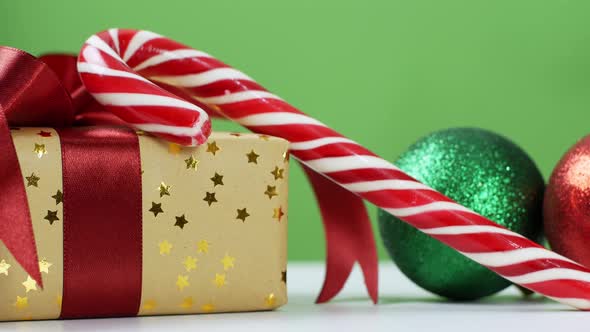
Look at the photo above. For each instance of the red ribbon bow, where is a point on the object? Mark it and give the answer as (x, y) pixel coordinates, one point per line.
(47, 92)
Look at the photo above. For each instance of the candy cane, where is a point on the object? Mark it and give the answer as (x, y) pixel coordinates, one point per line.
(238, 97)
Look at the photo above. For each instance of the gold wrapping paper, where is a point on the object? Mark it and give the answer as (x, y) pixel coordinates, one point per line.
(230, 195)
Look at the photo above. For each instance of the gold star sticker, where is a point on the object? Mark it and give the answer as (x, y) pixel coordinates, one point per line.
(51, 216)
(40, 150)
(270, 300)
(174, 148)
(252, 157)
(32, 180)
(165, 247)
(286, 156)
(186, 303)
(277, 173)
(219, 280)
(149, 305)
(58, 300)
(271, 191)
(284, 276)
(181, 221)
(43, 133)
(278, 213)
(21, 302)
(190, 263)
(217, 179)
(30, 284)
(203, 246)
(44, 265)
(208, 307)
(264, 137)
(156, 208)
(242, 214)
(210, 198)
(228, 262)
(182, 282)
(59, 197)
(164, 189)
(4, 267)
(212, 147)
(191, 163)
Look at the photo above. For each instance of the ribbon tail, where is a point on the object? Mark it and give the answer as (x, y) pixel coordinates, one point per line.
(16, 228)
(349, 237)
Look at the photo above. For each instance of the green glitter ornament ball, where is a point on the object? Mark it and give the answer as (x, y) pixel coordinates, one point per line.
(483, 171)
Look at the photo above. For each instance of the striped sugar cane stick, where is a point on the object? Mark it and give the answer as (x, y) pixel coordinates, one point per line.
(238, 97)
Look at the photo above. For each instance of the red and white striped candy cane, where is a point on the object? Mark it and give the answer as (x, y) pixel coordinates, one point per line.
(103, 65)
(238, 97)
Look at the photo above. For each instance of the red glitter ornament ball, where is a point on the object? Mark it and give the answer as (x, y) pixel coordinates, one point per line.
(567, 204)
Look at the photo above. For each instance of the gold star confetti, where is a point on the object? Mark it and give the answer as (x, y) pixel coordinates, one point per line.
(217, 179)
(4, 267)
(58, 300)
(174, 148)
(165, 247)
(286, 156)
(208, 307)
(284, 276)
(186, 303)
(181, 221)
(242, 214)
(59, 197)
(191, 163)
(32, 180)
(210, 198)
(149, 305)
(51, 216)
(212, 147)
(278, 213)
(44, 265)
(277, 173)
(21, 302)
(203, 246)
(252, 157)
(219, 280)
(190, 263)
(40, 150)
(228, 262)
(264, 137)
(271, 191)
(182, 282)
(164, 189)
(156, 208)
(270, 300)
(43, 133)
(30, 284)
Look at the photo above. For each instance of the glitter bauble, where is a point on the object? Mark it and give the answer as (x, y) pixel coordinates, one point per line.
(483, 171)
(567, 204)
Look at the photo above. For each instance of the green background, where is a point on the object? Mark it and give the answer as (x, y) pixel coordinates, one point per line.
(382, 72)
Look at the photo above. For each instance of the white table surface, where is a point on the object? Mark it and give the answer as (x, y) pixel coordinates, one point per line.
(403, 307)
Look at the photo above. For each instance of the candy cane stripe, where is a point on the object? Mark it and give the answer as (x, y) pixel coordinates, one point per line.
(316, 143)
(140, 99)
(550, 274)
(367, 186)
(197, 80)
(91, 68)
(137, 41)
(278, 119)
(237, 97)
(505, 258)
(169, 56)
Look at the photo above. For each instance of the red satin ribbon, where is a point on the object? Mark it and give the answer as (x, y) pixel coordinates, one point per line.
(102, 222)
(32, 95)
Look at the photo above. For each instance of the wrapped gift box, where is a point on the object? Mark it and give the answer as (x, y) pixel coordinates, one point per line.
(213, 230)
